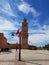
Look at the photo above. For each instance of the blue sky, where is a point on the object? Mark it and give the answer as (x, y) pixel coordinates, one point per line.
(12, 13)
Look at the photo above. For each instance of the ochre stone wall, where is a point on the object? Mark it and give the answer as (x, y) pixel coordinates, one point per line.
(3, 40)
(13, 46)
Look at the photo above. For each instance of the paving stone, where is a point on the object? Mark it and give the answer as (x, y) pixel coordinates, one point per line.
(28, 57)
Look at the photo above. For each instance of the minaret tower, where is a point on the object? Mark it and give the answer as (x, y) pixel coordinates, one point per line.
(24, 34)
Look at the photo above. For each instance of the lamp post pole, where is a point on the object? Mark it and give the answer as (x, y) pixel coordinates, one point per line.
(19, 47)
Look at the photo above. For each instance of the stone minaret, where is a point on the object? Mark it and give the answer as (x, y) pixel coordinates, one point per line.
(24, 34)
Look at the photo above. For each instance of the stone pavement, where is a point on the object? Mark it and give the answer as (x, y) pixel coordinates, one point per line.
(10, 58)
(28, 57)
(35, 57)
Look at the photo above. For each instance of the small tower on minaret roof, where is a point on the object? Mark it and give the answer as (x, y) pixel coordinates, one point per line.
(24, 20)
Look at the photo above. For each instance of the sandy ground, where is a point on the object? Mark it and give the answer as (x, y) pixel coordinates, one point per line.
(28, 57)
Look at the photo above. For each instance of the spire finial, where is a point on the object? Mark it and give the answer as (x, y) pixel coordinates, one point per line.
(25, 20)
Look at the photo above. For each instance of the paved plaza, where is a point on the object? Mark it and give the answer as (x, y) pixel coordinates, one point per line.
(28, 57)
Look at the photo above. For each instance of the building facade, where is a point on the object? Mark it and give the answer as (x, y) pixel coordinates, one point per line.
(3, 41)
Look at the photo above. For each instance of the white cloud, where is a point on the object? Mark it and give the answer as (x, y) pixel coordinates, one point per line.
(36, 31)
(18, 23)
(7, 25)
(5, 7)
(26, 8)
(39, 39)
(46, 24)
(45, 27)
(36, 23)
(39, 36)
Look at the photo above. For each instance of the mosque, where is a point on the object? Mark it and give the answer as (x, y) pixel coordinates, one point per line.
(24, 41)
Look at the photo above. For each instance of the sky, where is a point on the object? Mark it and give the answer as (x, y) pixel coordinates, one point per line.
(12, 13)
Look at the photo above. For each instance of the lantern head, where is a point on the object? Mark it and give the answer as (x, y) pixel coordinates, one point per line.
(12, 35)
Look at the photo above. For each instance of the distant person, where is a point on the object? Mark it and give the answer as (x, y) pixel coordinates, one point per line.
(0, 49)
(16, 48)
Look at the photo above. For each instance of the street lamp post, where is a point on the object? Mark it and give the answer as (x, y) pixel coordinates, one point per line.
(19, 47)
(19, 35)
